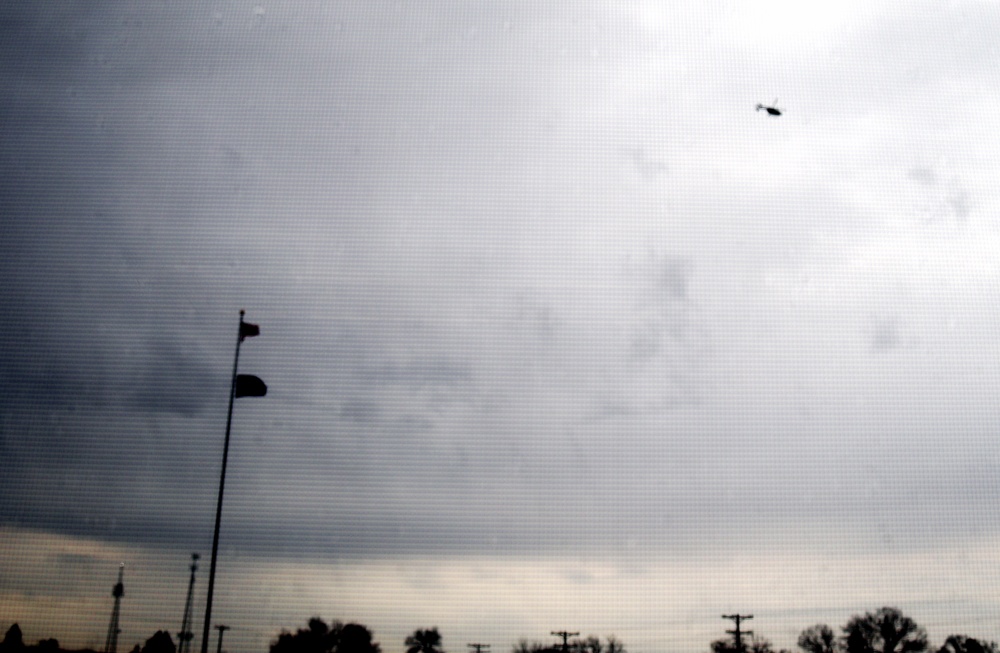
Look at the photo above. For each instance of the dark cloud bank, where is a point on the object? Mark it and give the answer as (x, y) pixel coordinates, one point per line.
(148, 193)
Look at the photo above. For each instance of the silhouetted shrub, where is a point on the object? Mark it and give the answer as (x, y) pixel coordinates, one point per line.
(50, 645)
(160, 642)
(13, 641)
(320, 638)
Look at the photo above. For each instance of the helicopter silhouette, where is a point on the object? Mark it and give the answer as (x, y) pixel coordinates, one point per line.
(772, 110)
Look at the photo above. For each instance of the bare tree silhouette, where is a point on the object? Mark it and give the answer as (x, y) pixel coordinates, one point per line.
(887, 630)
(424, 641)
(965, 644)
(321, 638)
(819, 639)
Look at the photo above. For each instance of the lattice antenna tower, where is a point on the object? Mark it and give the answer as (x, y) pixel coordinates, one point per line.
(185, 635)
(111, 643)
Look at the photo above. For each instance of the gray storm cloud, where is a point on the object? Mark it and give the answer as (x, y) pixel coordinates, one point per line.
(528, 279)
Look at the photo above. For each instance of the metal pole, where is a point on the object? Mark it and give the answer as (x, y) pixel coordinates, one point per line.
(222, 628)
(222, 486)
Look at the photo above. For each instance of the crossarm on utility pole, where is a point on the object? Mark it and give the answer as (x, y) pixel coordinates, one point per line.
(737, 633)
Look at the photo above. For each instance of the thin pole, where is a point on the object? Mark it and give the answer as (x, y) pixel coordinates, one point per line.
(738, 634)
(222, 628)
(222, 486)
(565, 638)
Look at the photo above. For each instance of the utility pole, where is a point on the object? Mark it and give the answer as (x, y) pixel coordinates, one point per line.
(565, 638)
(737, 634)
(479, 647)
(111, 643)
(185, 635)
(222, 628)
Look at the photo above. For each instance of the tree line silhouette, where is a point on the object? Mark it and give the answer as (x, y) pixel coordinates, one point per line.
(588, 644)
(13, 642)
(886, 630)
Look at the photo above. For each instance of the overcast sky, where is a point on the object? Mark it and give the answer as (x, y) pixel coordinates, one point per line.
(559, 331)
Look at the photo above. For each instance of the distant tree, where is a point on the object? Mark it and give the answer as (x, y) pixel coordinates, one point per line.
(754, 645)
(615, 645)
(355, 638)
(160, 642)
(760, 645)
(317, 637)
(424, 641)
(855, 640)
(965, 644)
(13, 640)
(284, 643)
(887, 630)
(524, 646)
(592, 644)
(50, 645)
(321, 638)
(723, 646)
(819, 639)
